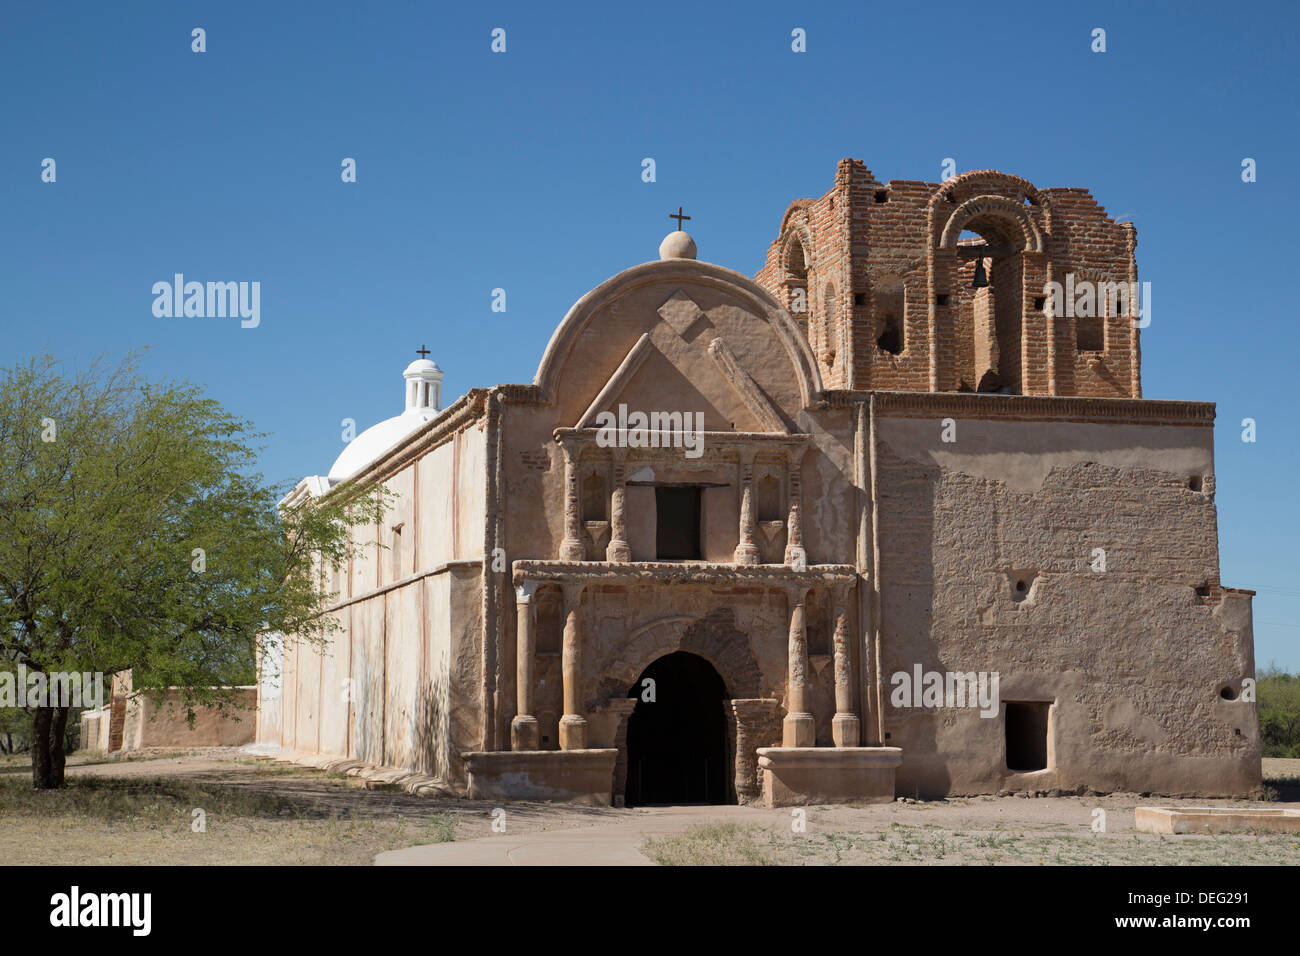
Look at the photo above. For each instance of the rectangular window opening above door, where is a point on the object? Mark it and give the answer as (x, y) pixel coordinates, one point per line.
(677, 524)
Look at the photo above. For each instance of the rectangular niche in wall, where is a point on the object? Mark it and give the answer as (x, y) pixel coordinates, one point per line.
(1026, 727)
(677, 524)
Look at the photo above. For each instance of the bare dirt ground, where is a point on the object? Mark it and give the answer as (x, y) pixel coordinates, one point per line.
(141, 810)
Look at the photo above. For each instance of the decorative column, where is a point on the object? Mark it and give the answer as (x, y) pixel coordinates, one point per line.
(798, 729)
(573, 726)
(572, 548)
(618, 550)
(747, 548)
(795, 556)
(524, 729)
(846, 729)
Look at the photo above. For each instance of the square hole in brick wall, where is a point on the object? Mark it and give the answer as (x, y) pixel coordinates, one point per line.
(1026, 728)
(1091, 334)
(941, 299)
(882, 196)
(859, 298)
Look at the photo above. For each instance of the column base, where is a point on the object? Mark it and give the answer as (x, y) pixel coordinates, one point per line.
(581, 776)
(846, 730)
(573, 732)
(746, 554)
(798, 730)
(796, 558)
(810, 775)
(525, 733)
(618, 552)
(573, 550)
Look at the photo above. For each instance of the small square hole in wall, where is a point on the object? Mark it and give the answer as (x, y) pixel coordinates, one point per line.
(1022, 585)
(941, 298)
(1040, 301)
(859, 298)
(1026, 729)
(882, 196)
(1195, 483)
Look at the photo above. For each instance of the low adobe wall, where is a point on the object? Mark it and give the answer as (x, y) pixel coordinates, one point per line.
(152, 722)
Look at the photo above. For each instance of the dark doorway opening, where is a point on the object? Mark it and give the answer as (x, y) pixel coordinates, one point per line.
(677, 742)
(677, 530)
(1027, 735)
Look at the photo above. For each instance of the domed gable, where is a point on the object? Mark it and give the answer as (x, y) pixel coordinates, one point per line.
(681, 330)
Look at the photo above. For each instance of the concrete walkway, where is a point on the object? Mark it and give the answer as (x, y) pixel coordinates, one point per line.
(608, 844)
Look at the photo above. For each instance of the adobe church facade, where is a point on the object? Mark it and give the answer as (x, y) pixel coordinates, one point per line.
(890, 518)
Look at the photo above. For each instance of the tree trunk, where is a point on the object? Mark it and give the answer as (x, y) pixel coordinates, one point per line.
(48, 758)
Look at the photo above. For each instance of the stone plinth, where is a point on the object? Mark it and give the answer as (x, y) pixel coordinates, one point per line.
(576, 776)
(1215, 820)
(798, 776)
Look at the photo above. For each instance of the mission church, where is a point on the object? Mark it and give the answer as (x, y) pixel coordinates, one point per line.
(929, 539)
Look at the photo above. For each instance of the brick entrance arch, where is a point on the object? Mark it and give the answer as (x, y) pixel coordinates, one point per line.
(715, 637)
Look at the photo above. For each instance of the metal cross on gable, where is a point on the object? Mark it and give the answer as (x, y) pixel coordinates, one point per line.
(422, 351)
(679, 217)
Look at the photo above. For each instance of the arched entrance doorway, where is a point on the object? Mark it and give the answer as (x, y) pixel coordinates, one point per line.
(677, 742)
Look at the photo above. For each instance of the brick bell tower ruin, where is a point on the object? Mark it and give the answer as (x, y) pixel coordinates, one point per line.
(880, 275)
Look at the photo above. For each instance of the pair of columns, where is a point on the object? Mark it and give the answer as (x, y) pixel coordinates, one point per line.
(524, 730)
(747, 549)
(572, 547)
(799, 728)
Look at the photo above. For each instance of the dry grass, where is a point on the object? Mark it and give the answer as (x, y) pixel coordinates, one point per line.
(150, 820)
(712, 844)
(733, 844)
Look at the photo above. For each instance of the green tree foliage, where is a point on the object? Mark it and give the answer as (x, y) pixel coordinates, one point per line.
(134, 535)
(1278, 694)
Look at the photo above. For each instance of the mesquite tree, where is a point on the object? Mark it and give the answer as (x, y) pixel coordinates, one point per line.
(134, 534)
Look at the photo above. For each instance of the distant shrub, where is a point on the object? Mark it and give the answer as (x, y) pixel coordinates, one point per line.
(1278, 694)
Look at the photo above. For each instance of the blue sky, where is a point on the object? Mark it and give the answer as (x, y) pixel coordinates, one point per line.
(522, 171)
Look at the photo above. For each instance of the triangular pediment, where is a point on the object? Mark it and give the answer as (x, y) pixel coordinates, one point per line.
(664, 373)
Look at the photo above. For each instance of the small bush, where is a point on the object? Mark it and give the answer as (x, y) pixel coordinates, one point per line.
(1278, 694)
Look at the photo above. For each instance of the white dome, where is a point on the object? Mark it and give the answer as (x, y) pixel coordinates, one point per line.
(376, 440)
(423, 367)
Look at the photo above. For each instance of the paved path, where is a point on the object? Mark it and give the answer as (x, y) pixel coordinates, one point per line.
(609, 844)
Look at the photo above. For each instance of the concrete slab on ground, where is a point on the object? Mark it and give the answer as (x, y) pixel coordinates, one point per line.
(610, 844)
